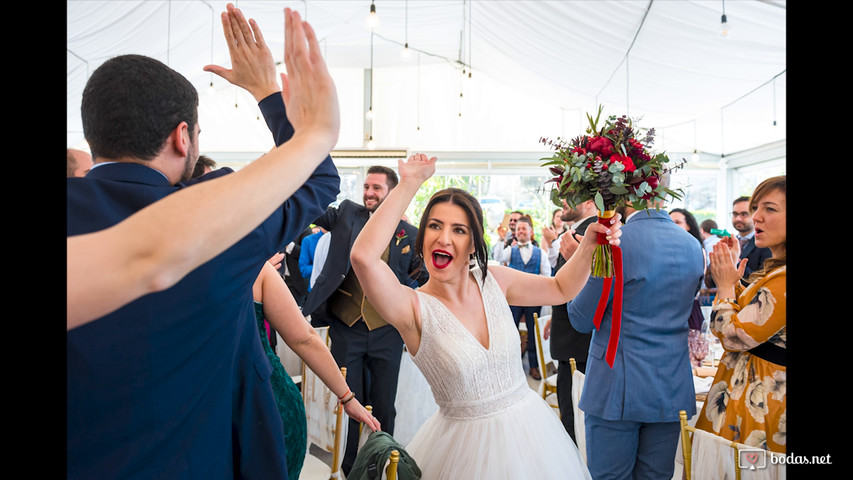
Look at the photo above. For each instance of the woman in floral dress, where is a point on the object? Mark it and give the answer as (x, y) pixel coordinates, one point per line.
(746, 402)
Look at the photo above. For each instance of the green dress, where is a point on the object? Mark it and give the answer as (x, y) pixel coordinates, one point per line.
(290, 404)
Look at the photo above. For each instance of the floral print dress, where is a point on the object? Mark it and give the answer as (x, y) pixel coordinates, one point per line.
(746, 402)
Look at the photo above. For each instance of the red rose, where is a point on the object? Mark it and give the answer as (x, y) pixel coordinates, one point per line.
(624, 160)
(602, 145)
(653, 184)
(636, 145)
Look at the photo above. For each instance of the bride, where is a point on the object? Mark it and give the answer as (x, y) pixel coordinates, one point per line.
(459, 331)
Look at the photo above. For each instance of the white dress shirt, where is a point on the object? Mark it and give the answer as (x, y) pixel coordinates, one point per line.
(526, 252)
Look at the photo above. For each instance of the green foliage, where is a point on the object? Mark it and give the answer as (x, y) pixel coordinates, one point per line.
(611, 166)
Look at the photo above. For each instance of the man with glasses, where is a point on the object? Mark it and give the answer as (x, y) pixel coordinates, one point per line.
(742, 222)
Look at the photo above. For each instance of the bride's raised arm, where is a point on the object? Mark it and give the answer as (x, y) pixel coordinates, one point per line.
(395, 302)
(522, 288)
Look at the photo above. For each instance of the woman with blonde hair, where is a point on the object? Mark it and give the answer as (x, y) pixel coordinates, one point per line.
(747, 401)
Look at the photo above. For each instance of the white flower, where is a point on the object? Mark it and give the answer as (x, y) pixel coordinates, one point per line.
(777, 385)
(715, 405)
(756, 401)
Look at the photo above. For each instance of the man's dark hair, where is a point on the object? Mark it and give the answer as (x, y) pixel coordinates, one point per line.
(526, 219)
(390, 175)
(131, 104)
(741, 199)
(203, 161)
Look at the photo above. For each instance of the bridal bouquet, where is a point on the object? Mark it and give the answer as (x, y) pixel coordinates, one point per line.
(613, 167)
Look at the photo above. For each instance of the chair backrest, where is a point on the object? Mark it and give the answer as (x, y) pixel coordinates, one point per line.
(324, 334)
(326, 420)
(578, 379)
(719, 456)
(542, 344)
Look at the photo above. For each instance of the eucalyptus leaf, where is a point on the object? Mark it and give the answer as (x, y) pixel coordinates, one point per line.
(599, 201)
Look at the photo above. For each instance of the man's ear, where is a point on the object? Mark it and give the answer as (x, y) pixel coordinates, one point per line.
(180, 139)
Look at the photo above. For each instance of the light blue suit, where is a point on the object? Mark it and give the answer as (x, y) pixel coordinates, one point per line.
(632, 409)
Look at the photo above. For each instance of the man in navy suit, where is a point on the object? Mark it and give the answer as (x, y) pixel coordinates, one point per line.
(174, 384)
(631, 410)
(361, 340)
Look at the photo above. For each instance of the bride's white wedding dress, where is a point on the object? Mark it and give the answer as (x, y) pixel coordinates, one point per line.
(490, 423)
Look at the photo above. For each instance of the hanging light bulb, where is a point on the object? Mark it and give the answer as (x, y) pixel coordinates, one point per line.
(369, 115)
(725, 28)
(406, 53)
(695, 157)
(372, 20)
(371, 145)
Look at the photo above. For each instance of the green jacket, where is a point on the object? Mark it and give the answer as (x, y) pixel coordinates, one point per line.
(375, 452)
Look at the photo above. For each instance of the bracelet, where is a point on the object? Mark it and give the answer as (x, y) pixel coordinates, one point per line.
(351, 396)
(726, 300)
(345, 395)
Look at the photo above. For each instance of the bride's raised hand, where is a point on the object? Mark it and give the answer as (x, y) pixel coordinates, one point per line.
(417, 169)
(612, 231)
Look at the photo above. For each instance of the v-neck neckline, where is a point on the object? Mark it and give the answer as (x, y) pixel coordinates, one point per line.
(480, 287)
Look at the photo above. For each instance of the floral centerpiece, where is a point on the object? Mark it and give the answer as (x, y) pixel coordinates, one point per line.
(613, 167)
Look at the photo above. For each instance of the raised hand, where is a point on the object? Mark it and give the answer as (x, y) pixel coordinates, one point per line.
(613, 231)
(570, 242)
(252, 64)
(418, 168)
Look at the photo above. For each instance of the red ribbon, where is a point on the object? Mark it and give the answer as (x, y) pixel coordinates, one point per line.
(616, 317)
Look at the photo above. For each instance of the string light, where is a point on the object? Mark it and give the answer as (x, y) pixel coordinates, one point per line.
(725, 28)
(406, 53)
(372, 20)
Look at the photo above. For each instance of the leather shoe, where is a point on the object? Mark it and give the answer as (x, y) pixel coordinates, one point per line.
(534, 373)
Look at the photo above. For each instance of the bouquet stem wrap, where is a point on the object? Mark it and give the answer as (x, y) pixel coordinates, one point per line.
(607, 264)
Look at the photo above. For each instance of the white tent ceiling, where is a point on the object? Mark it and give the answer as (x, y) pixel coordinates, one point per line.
(537, 67)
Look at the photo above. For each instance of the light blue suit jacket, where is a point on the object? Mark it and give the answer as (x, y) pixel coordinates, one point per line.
(651, 377)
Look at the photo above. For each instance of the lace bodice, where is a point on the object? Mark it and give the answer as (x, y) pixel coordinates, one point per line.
(467, 380)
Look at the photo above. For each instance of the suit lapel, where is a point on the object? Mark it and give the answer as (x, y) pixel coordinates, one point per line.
(394, 249)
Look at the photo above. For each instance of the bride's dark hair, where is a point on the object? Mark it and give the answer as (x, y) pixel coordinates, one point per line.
(471, 206)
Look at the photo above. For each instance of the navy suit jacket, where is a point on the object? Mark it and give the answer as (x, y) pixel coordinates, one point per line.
(651, 378)
(345, 223)
(176, 383)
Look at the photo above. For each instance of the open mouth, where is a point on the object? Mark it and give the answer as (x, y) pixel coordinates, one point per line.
(441, 259)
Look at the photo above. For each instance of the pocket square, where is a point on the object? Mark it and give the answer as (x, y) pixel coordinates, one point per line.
(406, 249)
